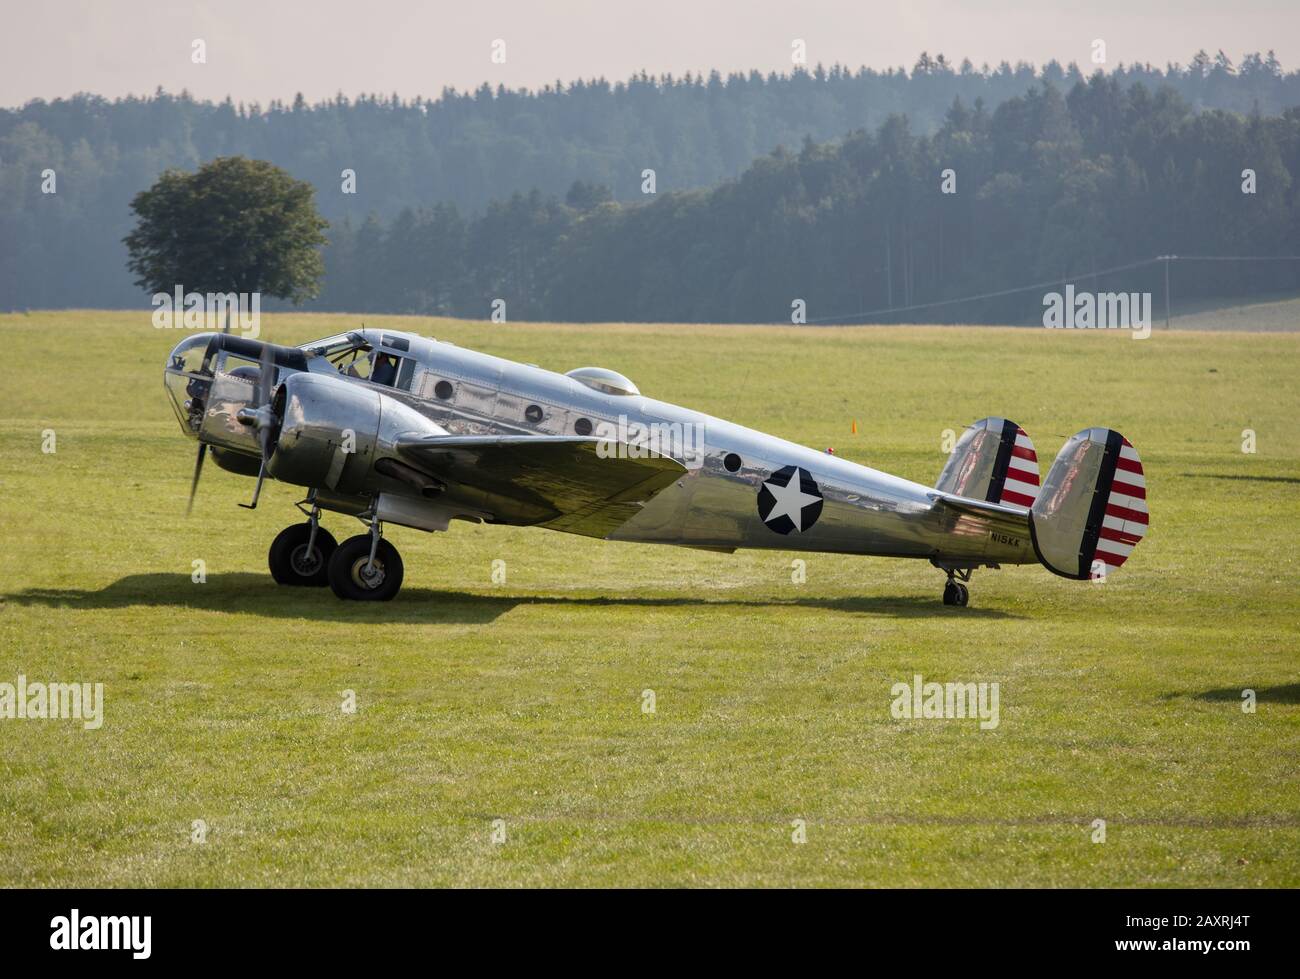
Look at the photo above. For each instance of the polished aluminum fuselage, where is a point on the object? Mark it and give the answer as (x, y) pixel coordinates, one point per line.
(865, 511)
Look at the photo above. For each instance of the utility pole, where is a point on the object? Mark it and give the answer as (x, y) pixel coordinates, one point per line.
(1166, 259)
(889, 264)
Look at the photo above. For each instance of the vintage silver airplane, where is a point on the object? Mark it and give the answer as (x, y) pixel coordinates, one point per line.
(397, 428)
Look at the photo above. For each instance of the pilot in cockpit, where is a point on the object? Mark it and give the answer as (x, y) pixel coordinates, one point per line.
(382, 368)
(385, 370)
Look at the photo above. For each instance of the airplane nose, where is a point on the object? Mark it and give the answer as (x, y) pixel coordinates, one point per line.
(187, 378)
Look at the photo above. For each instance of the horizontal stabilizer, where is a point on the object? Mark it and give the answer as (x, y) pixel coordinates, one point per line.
(997, 518)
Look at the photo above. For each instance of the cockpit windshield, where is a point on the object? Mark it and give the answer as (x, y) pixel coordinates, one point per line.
(352, 355)
(341, 351)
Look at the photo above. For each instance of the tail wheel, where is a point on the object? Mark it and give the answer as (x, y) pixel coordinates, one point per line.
(292, 563)
(353, 576)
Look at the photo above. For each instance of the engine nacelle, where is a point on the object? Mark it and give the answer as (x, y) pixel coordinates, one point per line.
(333, 431)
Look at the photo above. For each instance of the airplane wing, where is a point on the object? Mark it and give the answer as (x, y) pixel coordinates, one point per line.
(556, 481)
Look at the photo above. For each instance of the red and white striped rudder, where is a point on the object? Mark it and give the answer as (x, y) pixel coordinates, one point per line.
(1092, 509)
(1126, 517)
(1020, 488)
(993, 461)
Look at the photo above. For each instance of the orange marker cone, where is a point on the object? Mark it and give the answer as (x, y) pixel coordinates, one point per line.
(854, 430)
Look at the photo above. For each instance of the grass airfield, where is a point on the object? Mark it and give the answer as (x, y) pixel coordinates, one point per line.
(522, 701)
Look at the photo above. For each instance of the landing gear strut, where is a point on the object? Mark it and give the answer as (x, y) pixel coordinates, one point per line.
(955, 592)
(366, 567)
(300, 554)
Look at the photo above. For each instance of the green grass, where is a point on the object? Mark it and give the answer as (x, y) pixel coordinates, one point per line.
(522, 701)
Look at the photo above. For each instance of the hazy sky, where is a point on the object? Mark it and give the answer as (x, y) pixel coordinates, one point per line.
(264, 49)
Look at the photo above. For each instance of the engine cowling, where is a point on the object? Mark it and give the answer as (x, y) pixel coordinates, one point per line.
(331, 432)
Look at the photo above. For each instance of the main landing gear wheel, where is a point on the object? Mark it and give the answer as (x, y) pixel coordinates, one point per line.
(291, 560)
(354, 576)
(955, 593)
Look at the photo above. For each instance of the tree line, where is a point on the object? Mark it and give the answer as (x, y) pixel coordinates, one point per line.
(1048, 185)
(477, 195)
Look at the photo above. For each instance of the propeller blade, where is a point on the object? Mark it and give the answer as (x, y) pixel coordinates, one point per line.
(264, 439)
(264, 376)
(257, 490)
(198, 470)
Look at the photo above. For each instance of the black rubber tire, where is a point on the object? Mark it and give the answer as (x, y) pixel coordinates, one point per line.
(285, 557)
(952, 593)
(963, 595)
(347, 576)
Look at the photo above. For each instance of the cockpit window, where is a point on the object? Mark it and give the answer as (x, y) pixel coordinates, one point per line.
(354, 356)
(355, 363)
(351, 358)
(384, 369)
(341, 351)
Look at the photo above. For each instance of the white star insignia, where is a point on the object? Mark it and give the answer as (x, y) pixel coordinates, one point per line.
(790, 501)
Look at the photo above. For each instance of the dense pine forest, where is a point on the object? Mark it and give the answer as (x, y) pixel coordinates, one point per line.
(853, 191)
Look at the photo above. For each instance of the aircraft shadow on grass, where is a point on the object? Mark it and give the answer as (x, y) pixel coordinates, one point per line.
(257, 594)
(1285, 694)
(1243, 477)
